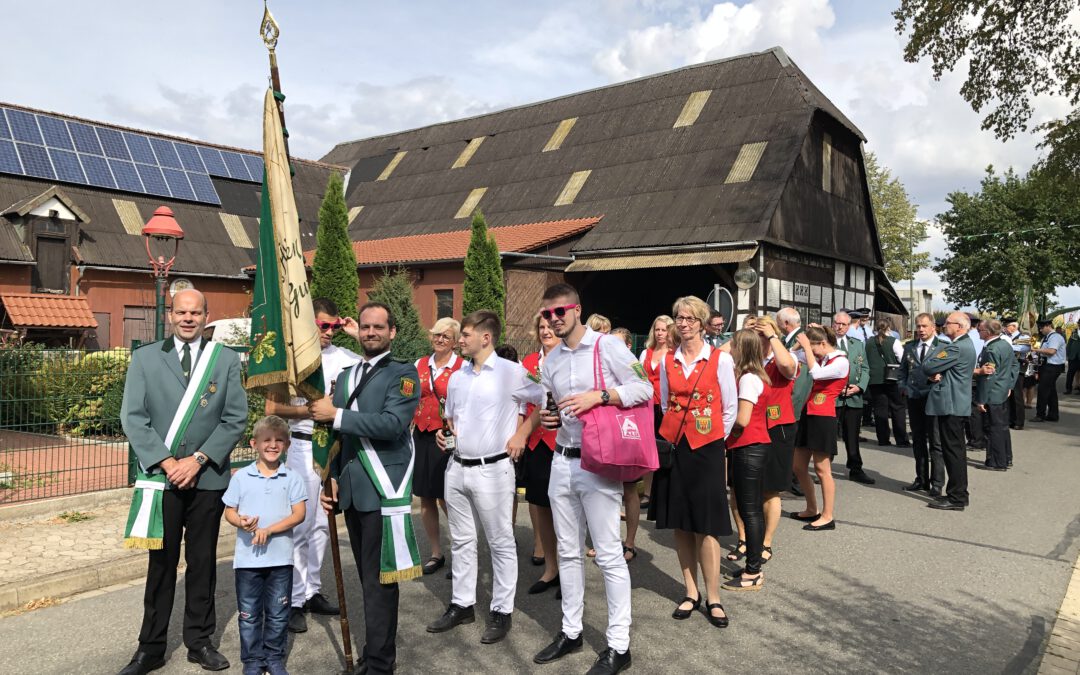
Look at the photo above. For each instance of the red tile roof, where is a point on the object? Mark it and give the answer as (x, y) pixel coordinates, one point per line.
(27, 310)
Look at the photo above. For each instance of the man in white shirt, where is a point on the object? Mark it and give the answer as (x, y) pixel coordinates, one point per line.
(311, 536)
(580, 498)
(483, 404)
(1021, 346)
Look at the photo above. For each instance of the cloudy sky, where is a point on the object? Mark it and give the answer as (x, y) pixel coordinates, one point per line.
(353, 69)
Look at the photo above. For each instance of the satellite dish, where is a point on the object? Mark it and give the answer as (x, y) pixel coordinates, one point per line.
(720, 299)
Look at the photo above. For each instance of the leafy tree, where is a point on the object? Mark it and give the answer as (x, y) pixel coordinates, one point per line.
(1014, 232)
(899, 229)
(333, 272)
(394, 289)
(484, 287)
(1017, 50)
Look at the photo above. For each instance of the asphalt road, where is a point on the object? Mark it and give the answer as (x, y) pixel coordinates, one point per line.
(896, 588)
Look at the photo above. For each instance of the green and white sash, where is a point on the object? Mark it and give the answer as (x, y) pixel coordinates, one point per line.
(400, 558)
(146, 525)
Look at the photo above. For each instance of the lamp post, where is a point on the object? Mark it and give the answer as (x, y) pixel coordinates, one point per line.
(163, 229)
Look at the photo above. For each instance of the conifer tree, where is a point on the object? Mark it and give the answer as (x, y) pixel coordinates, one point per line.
(484, 287)
(394, 289)
(333, 272)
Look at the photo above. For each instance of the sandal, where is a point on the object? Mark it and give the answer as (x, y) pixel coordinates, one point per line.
(681, 614)
(742, 583)
(718, 621)
(590, 553)
(764, 550)
(738, 552)
(645, 501)
(434, 564)
(631, 550)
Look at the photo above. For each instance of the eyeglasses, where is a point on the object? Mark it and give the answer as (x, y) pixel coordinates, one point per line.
(557, 312)
(330, 325)
(687, 319)
(441, 337)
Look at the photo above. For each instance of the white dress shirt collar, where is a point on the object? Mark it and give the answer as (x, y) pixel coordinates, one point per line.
(196, 345)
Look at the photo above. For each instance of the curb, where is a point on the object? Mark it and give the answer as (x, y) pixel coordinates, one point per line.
(1061, 652)
(50, 507)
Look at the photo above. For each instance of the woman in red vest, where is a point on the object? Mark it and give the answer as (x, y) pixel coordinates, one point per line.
(749, 443)
(652, 359)
(429, 469)
(697, 389)
(537, 460)
(816, 437)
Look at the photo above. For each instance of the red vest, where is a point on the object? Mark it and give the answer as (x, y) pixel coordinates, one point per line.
(778, 406)
(704, 423)
(428, 417)
(823, 393)
(756, 430)
(539, 435)
(653, 374)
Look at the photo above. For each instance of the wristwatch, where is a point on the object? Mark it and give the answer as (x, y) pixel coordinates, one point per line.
(200, 458)
(605, 397)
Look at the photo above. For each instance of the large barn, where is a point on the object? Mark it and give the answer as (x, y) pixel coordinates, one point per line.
(687, 176)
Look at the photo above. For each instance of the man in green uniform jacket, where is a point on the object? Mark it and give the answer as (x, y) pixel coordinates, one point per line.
(994, 379)
(952, 369)
(926, 442)
(849, 405)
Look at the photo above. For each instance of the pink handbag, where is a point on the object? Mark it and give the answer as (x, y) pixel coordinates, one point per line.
(617, 443)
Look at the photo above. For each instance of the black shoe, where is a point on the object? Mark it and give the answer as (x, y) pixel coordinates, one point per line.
(297, 620)
(905, 444)
(142, 663)
(987, 467)
(610, 662)
(796, 490)
(208, 657)
(917, 486)
(453, 616)
(934, 492)
(560, 647)
(682, 614)
(794, 515)
(884, 445)
(1036, 419)
(541, 585)
(946, 505)
(831, 525)
(537, 560)
(861, 477)
(498, 625)
(318, 604)
(449, 574)
(433, 564)
(977, 447)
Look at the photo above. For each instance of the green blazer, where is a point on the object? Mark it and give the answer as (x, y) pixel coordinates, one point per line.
(386, 405)
(912, 377)
(800, 392)
(994, 389)
(956, 363)
(879, 356)
(1072, 348)
(858, 374)
(152, 392)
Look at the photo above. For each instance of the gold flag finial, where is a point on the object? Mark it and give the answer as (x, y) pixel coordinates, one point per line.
(269, 29)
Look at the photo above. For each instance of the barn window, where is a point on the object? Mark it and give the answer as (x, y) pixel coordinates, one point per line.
(692, 108)
(573, 187)
(354, 212)
(444, 303)
(392, 165)
(560, 134)
(468, 152)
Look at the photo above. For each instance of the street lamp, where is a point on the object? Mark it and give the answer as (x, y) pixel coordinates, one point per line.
(164, 229)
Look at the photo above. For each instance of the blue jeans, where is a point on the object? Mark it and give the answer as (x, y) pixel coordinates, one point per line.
(262, 600)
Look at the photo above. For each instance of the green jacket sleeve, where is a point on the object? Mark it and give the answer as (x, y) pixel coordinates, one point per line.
(227, 434)
(864, 373)
(149, 448)
(942, 360)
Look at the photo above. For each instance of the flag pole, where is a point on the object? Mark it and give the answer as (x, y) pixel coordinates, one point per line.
(270, 31)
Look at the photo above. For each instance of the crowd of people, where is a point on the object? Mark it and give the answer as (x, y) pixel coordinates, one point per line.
(739, 418)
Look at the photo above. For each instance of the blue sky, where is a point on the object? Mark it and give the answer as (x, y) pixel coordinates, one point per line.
(353, 69)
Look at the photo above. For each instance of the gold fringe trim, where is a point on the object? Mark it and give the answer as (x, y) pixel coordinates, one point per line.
(148, 544)
(266, 379)
(413, 572)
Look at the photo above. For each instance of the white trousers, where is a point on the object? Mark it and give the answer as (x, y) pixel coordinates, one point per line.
(309, 537)
(484, 493)
(580, 498)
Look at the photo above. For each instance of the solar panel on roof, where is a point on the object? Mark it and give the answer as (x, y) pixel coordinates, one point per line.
(178, 184)
(204, 188)
(112, 141)
(215, 166)
(9, 161)
(189, 157)
(55, 133)
(67, 166)
(235, 162)
(140, 148)
(255, 166)
(166, 153)
(97, 171)
(35, 161)
(85, 138)
(127, 178)
(152, 180)
(24, 127)
(5, 131)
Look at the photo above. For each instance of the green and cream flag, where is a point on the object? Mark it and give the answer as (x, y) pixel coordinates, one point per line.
(285, 350)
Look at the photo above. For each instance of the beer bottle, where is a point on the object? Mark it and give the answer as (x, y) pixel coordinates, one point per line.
(448, 436)
(553, 409)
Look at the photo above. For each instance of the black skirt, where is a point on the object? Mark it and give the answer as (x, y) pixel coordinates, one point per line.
(537, 474)
(817, 433)
(691, 495)
(778, 462)
(429, 469)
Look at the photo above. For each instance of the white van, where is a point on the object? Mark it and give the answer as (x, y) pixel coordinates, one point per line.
(228, 331)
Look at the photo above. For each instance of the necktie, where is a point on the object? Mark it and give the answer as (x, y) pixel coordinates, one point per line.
(922, 352)
(185, 360)
(843, 343)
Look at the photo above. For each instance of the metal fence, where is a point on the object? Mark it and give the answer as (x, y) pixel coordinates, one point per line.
(60, 431)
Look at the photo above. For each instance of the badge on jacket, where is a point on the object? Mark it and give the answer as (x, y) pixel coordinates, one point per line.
(408, 386)
(703, 424)
(639, 370)
(942, 354)
(773, 412)
(819, 398)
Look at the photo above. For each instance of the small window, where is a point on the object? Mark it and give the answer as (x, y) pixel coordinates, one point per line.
(444, 303)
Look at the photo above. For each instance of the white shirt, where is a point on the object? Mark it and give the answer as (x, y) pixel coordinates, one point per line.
(750, 388)
(361, 360)
(725, 375)
(437, 370)
(570, 371)
(334, 360)
(836, 368)
(485, 405)
(929, 348)
(976, 341)
(196, 347)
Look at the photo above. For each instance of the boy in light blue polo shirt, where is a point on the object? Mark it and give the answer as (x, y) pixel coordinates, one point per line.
(264, 502)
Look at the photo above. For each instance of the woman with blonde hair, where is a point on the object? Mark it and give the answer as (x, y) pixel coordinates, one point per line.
(698, 393)
(429, 468)
(599, 323)
(657, 346)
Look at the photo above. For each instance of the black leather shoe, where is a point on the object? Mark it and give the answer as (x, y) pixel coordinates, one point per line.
(453, 616)
(498, 625)
(541, 585)
(946, 505)
(861, 477)
(142, 663)
(560, 647)
(610, 662)
(935, 492)
(683, 614)
(208, 657)
(1036, 419)
(297, 620)
(794, 515)
(917, 486)
(905, 444)
(831, 525)
(318, 604)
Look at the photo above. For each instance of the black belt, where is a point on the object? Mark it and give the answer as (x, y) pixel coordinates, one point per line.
(301, 435)
(569, 453)
(478, 462)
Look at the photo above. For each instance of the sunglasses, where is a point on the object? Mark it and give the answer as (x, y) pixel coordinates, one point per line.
(330, 325)
(557, 312)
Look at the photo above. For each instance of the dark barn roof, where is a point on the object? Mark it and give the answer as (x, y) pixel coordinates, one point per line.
(655, 182)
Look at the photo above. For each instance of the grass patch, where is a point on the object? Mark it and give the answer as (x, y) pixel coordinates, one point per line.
(12, 479)
(75, 516)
